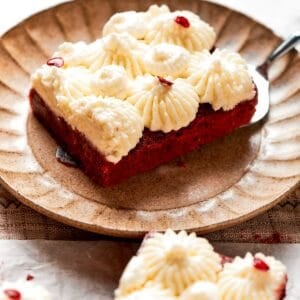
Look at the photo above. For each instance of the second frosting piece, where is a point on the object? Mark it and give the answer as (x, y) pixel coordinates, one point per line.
(181, 266)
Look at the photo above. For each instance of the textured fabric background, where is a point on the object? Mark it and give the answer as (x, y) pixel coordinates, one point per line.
(280, 224)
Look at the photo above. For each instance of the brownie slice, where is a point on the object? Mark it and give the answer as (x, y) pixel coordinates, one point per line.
(154, 148)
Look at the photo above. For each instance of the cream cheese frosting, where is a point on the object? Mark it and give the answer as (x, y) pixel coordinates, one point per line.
(178, 260)
(79, 54)
(241, 280)
(201, 290)
(164, 105)
(113, 126)
(221, 78)
(166, 60)
(58, 84)
(149, 292)
(130, 22)
(185, 267)
(182, 28)
(111, 81)
(123, 50)
(25, 290)
(133, 278)
(155, 11)
(149, 60)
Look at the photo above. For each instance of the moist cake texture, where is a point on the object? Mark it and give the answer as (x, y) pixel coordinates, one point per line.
(154, 148)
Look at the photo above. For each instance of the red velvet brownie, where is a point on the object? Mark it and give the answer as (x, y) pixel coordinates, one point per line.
(154, 148)
(182, 266)
(139, 98)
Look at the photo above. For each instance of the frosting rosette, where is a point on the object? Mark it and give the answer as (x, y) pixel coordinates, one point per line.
(166, 60)
(221, 78)
(149, 292)
(123, 50)
(112, 125)
(155, 11)
(252, 277)
(164, 105)
(176, 261)
(201, 290)
(182, 28)
(23, 290)
(111, 81)
(79, 54)
(131, 22)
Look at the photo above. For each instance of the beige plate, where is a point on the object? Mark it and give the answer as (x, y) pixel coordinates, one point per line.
(222, 184)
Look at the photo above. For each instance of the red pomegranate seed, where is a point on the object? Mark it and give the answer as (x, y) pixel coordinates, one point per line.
(164, 81)
(56, 62)
(12, 294)
(260, 264)
(29, 277)
(183, 21)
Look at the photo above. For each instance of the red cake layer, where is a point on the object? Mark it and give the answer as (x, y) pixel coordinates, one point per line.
(154, 148)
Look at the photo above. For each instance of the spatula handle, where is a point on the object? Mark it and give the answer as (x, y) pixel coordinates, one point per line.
(284, 47)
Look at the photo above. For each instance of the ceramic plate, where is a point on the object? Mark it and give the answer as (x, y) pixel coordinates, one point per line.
(222, 184)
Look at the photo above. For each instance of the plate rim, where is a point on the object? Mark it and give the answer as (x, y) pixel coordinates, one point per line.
(135, 234)
(127, 233)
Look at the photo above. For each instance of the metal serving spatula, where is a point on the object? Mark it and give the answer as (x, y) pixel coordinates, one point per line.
(260, 77)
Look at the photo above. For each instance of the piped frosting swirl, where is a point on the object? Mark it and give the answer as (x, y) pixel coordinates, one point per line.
(123, 50)
(156, 11)
(178, 260)
(243, 279)
(130, 22)
(164, 104)
(182, 28)
(79, 54)
(111, 81)
(166, 60)
(221, 78)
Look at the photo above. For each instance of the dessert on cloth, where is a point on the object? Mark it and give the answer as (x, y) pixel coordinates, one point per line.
(182, 266)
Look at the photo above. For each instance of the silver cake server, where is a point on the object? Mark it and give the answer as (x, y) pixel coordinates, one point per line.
(260, 78)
